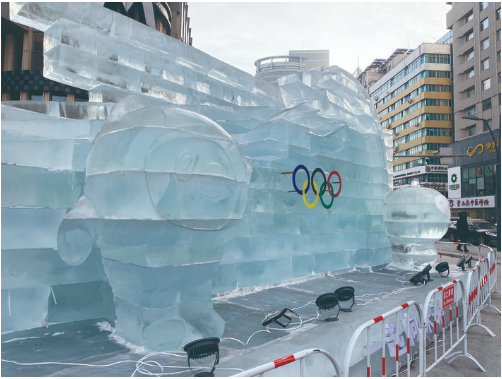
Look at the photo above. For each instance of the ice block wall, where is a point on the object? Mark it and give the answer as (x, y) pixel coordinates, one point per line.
(313, 203)
(44, 149)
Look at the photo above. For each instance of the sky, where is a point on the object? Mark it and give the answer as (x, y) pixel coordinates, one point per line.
(356, 33)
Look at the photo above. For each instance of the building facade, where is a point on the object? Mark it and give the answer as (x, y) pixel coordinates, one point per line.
(413, 99)
(270, 69)
(22, 50)
(475, 31)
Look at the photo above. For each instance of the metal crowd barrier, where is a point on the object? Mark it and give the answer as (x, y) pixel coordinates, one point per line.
(466, 244)
(479, 292)
(411, 329)
(300, 356)
(492, 276)
(452, 294)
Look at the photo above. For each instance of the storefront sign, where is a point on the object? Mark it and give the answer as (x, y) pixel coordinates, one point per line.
(419, 170)
(489, 147)
(454, 187)
(472, 202)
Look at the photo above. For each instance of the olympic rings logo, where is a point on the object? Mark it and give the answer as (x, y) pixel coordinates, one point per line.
(319, 192)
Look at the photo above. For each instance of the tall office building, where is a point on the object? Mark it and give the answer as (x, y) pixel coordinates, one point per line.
(22, 49)
(413, 99)
(476, 76)
(270, 69)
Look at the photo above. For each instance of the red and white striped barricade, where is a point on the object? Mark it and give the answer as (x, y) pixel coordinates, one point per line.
(491, 254)
(391, 334)
(478, 294)
(300, 356)
(441, 313)
(448, 252)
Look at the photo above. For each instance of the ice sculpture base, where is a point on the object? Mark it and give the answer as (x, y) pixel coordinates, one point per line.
(89, 341)
(413, 256)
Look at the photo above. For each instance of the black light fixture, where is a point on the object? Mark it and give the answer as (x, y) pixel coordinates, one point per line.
(442, 267)
(278, 318)
(327, 302)
(419, 278)
(345, 294)
(461, 263)
(203, 348)
(468, 260)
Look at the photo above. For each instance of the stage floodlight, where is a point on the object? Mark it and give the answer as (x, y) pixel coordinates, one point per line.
(345, 294)
(279, 318)
(420, 278)
(461, 263)
(327, 302)
(426, 272)
(203, 348)
(442, 267)
(468, 260)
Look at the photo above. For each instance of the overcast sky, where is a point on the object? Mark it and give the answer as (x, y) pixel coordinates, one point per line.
(239, 33)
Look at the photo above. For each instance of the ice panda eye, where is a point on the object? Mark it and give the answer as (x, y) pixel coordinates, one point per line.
(186, 161)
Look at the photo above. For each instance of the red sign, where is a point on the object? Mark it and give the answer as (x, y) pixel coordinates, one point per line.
(448, 296)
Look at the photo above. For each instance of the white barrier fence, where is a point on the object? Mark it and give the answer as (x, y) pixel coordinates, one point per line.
(300, 356)
(411, 330)
(451, 295)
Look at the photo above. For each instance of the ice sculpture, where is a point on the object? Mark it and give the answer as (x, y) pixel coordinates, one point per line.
(169, 201)
(415, 218)
(163, 188)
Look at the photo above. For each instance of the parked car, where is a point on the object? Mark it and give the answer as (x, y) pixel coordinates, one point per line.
(480, 232)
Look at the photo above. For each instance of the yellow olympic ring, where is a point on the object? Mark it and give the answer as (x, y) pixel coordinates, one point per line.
(471, 151)
(303, 194)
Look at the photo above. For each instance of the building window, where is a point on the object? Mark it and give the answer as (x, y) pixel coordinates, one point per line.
(37, 54)
(486, 64)
(484, 24)
(471, 110)
(470, 55)
(486, 84)
(471, 130)
(487, 104)
(469, 35)
(469, 92)
(485, 44)
(485, 128)
(469, 17)
(497, 14)
(483, 5)
(470, 73)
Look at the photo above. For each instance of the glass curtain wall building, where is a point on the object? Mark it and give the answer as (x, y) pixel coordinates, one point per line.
(413, 99)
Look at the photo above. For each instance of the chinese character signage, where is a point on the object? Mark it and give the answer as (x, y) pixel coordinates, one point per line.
(454, 187)
(473, 202)
(448, 296)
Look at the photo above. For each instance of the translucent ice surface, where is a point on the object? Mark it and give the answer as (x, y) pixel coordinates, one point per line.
(415, 218)
(200, 180)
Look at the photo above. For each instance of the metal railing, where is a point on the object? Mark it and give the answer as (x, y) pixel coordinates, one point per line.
(452, 294)
(392, 350)
(300, 356)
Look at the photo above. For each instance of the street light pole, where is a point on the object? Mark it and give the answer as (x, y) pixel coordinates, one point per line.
(497, 169)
